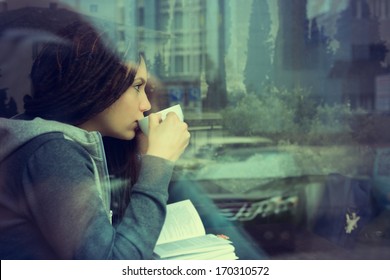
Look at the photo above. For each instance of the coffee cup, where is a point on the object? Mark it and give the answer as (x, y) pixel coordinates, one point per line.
(144, 122)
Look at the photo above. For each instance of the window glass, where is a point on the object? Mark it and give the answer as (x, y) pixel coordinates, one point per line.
(287, 102)
(93, 8)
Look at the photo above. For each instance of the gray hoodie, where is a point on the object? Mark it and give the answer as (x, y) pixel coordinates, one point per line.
(55, 196)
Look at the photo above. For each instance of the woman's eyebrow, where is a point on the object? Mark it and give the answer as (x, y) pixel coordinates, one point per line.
(140, 79)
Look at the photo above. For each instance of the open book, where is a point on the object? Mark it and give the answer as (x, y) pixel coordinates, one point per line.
(183, 237)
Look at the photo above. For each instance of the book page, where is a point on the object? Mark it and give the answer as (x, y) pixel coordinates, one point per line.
(205, 243)
(224, 253)
(182, 222)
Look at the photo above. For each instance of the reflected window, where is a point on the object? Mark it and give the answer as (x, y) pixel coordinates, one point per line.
(179, 64)
(141, 16)
(53, 5)
(93, 8)
(284, 100)
(178, 21)
(3, 6)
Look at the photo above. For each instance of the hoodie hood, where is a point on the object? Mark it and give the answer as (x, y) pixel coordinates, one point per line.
(16, 132)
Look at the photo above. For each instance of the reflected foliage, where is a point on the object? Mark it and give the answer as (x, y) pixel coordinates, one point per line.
(290, 115)
(8, 108)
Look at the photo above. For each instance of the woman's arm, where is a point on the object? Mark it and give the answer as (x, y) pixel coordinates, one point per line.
(65, 205)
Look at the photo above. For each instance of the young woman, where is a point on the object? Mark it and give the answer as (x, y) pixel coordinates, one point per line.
(78, 180)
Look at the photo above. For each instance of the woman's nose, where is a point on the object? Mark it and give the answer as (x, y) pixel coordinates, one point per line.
(145, 103)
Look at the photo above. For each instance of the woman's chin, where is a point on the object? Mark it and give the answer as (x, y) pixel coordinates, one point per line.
(128, 135)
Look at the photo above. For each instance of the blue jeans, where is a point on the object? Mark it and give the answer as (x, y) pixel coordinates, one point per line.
(213, 221)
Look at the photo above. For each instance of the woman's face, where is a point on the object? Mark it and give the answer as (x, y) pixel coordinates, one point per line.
(120, 120)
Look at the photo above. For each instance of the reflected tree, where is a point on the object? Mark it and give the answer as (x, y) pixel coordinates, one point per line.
(258, 65)
(7, 109)
(360, 55)
(216, 86)
(159, 67)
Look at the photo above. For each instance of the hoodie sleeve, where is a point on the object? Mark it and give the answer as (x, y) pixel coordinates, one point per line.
(65, 204)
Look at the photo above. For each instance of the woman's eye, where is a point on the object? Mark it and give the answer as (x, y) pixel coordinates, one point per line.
(137, 87)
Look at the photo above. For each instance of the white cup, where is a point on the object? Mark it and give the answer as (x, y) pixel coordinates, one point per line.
(144, 122)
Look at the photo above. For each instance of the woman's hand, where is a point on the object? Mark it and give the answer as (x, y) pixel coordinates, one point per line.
(142, 142)
(169, 138)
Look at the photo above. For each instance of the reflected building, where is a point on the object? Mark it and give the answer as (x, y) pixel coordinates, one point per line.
(184, 43)
(204, 52)
(258, 68)
(361, 56)
(172, 36)
(17, 49)
(301, 51)
(338, 54)
(191, 46)
(110, 15)
(113, 16)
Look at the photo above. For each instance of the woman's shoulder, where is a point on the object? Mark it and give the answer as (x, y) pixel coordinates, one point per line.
(51, 139)
(46, 155)
(49, 146)
(55, 143)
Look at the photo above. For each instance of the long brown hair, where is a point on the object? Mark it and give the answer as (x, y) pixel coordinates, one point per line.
(77, 76)
(73, 79)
